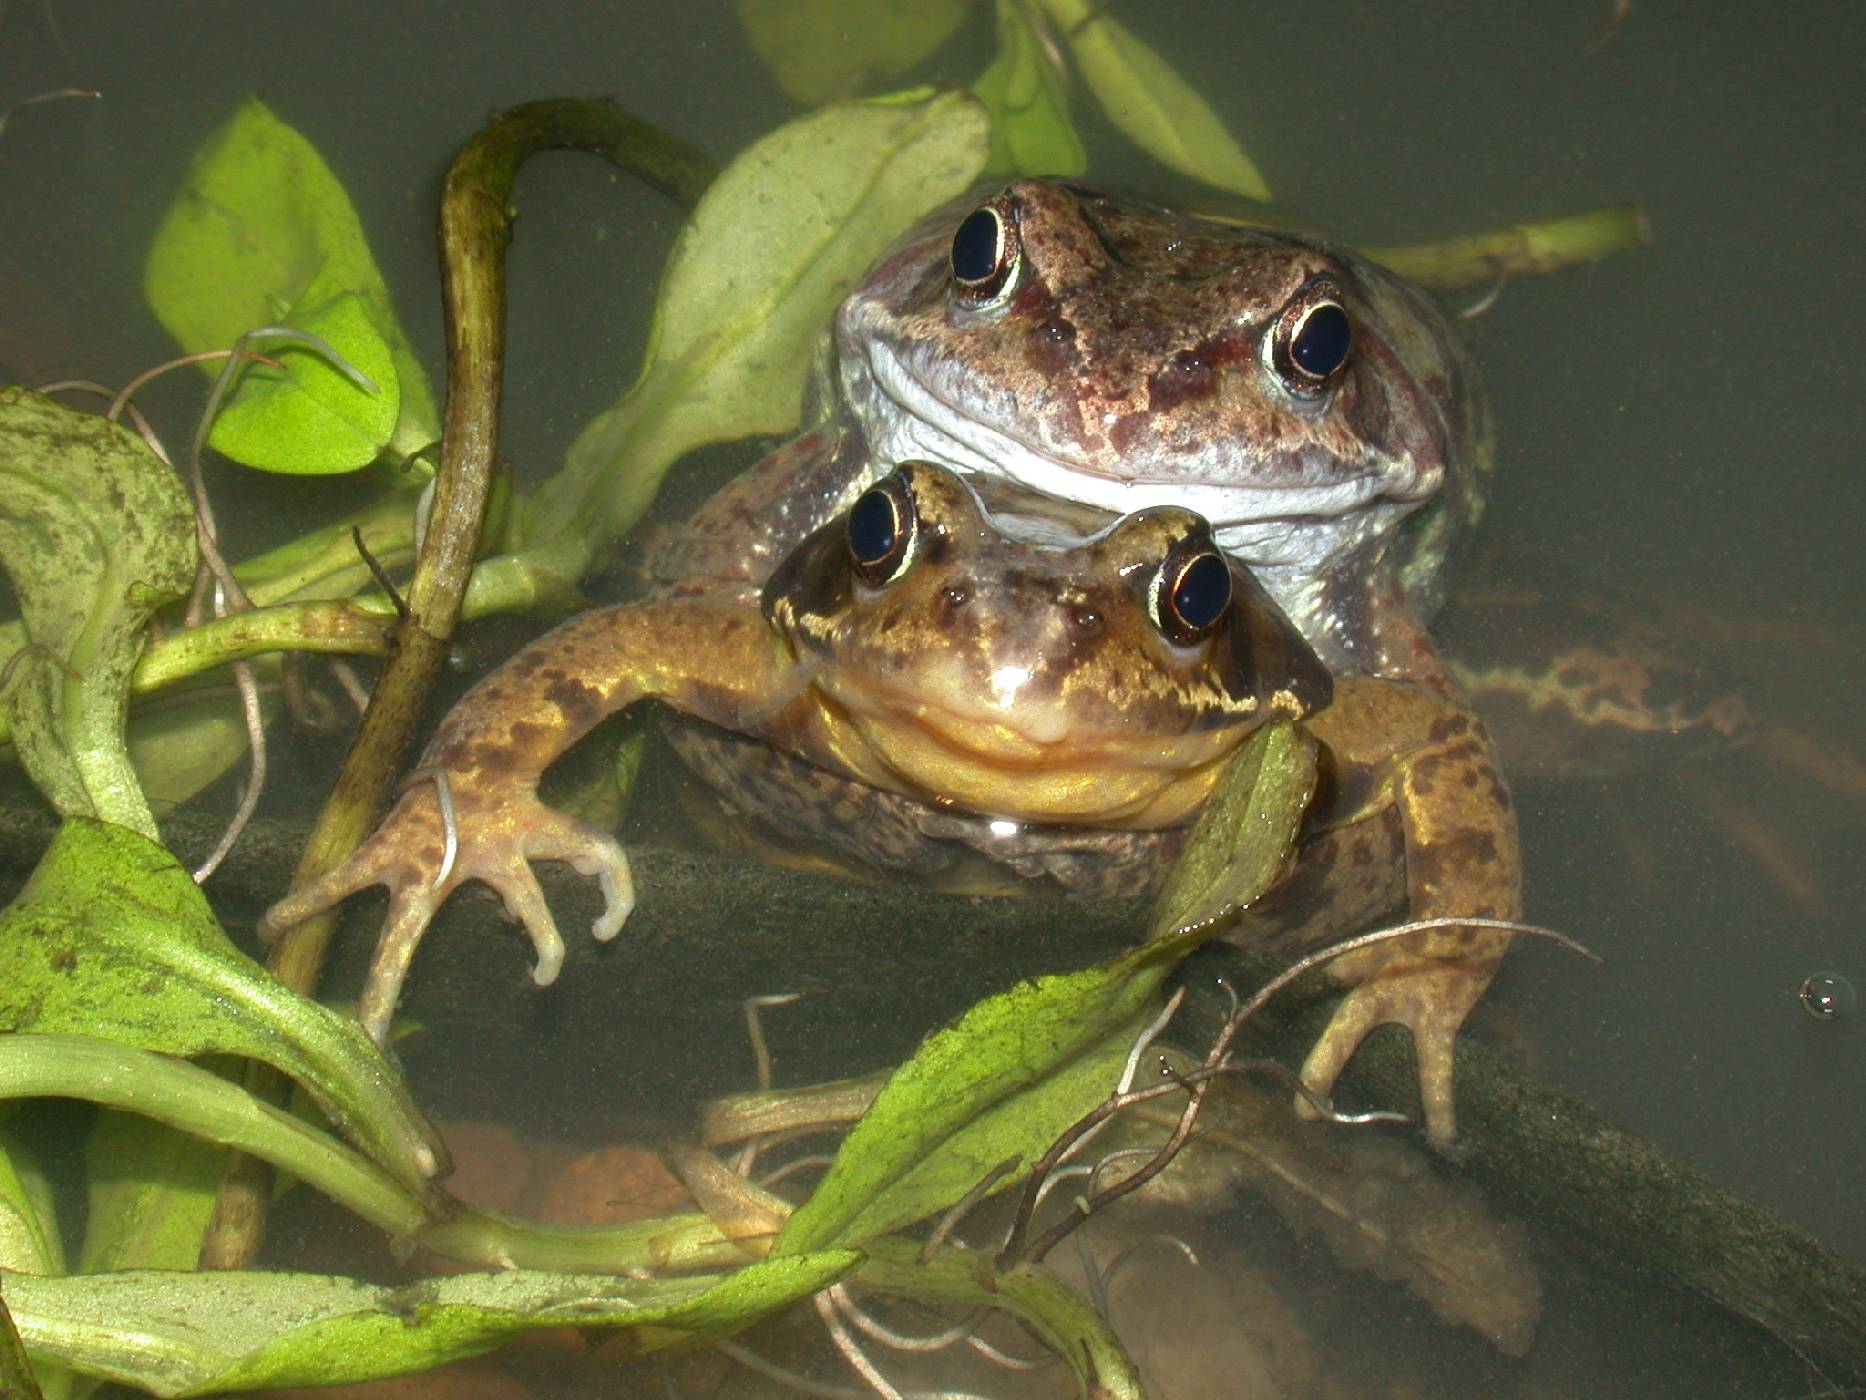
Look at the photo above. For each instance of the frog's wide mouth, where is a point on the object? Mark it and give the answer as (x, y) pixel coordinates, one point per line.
(907, 417)
(1053, 769)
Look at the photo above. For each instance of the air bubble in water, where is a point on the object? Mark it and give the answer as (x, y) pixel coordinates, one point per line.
(1828, 996)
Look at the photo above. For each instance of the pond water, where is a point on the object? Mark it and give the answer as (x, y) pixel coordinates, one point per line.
(1682, 424)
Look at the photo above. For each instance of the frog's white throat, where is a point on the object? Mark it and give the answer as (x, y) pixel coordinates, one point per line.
(1293, 529)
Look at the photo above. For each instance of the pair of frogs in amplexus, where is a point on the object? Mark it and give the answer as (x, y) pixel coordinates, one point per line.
(967, 651)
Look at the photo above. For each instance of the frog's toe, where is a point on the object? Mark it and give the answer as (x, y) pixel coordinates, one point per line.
(600, 857)
(410, 910)
(593, 852)
(1431, 999)
(368, 865)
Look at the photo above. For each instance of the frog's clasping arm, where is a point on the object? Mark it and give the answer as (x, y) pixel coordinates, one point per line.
(471, 810)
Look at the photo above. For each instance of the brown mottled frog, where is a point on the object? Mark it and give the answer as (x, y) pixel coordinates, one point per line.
(1103, 351)
(911, 646)
(999, 667)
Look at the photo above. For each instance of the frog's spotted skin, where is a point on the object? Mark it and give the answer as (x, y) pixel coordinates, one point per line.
(1131, 358)
(1100, 354)
(1037, 678)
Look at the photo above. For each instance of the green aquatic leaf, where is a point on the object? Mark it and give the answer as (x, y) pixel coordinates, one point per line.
(29, 1238)
(820, 50)
(111, 938)
(203, 1105)
(149, 1194)
(1246, 831)
(306, 417)
(775, 243)
(206, 1334)
(262, 226)
(1027, 96)
(96, 534)
(1001, 1083)
(29, 1244)
(1150, 103)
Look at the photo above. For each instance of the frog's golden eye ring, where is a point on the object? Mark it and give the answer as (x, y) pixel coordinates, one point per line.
(881, 529)
(1311, 340)
(985, 255)
(1191, 592)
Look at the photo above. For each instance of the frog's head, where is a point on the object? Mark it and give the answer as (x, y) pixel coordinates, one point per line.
(1106, 351)
(1010, 665)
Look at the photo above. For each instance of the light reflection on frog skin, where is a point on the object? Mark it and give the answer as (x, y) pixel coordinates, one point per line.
(917, 647)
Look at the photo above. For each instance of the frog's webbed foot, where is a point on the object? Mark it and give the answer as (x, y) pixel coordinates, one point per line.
(409, 853)
(1430, 996)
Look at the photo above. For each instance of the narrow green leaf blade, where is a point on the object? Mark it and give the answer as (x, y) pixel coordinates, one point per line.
(820, 50)
(1246, 831)
(96, 533)
(149, 1194)
(1031, 132)
(29, 1238)
(1150, 103)
(205, 1334)
(111, 938)
(778, 239)
(1059, 1317)
(1003, 1081)
(260, 219)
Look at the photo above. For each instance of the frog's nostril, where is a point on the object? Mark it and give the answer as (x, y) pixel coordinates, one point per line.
(1084, 621)
(954, 596)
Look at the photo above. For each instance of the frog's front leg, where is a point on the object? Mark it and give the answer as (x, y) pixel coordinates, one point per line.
(718, 661)
(1421, 762)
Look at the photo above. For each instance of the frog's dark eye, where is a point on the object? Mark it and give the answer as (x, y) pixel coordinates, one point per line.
(881, 532)
(1310, 341)
(985, 255)
(1191, 592)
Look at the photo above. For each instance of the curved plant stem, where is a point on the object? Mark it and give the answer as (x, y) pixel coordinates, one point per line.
(475, 227)
(200, 1102)
(1530, 249)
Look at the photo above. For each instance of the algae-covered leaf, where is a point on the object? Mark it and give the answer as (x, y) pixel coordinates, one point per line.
(1150, 103)
(777, 240)
(259, 221)
(111, 938)
(96, 534)
(1025, 92)
(205, 1334)
(1002, 1082)
(306, 417)
(820, 50)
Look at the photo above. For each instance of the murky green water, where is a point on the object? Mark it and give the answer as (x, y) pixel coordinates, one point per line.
(1684, 423)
